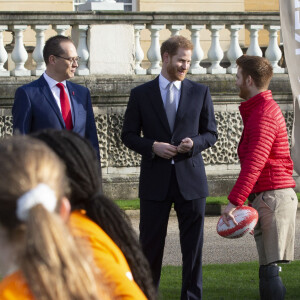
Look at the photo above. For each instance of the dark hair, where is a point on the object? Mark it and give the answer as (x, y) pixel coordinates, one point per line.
(259, 68)
(172, 44)
(52, 46)
(86, 193)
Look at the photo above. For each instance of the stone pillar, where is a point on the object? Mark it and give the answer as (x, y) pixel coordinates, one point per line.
(61, 29)
(3, 53)
(175, 29)
(38, 50)
(19, 54)
(111, 49)
(215, 52)
(139, 54)
(197, 52)
(153, 53)
(234, 51)
(273, 53)
(82, 50)
(254, 48)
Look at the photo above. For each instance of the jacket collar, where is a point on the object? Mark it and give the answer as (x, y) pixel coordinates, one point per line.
(253, 103)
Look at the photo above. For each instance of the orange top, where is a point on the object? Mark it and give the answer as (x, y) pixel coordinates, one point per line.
(14, 287)
(108, 257)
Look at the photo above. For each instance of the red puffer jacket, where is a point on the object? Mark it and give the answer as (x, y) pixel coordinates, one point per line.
(263, 150)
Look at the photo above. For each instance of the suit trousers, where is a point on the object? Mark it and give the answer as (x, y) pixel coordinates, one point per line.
(154, 216)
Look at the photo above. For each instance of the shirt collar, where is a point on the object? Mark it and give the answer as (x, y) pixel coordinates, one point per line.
(51, 82)
(163, 82)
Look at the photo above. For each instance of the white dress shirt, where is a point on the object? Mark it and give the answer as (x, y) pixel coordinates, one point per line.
(56, 92)
(163, 83)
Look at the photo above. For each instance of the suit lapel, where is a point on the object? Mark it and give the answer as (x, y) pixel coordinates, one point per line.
(50, 98)
(157, 102)
(184, 102)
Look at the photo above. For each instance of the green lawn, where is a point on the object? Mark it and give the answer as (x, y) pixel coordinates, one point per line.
(230, 281)
(135, 203)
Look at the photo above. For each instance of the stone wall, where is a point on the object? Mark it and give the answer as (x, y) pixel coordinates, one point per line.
(120, 166)
(36, 5)
(191, 5)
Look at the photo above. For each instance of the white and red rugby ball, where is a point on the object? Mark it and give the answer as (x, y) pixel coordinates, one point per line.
(246, 217)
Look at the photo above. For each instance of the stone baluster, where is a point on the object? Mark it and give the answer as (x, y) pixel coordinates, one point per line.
(82, 50)
(254, 48)
(38, 51)
(153, 53)
(197, 52)
(273, 53)
(175, 29)
(139, 54)
(3, 53)
(19, 54)
(61, 29)
(234, 51)
(215, 52)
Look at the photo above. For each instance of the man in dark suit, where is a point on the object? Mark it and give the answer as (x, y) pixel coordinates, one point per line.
(177, 119)
(53, 102)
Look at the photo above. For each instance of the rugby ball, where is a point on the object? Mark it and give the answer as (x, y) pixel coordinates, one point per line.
(246, 217)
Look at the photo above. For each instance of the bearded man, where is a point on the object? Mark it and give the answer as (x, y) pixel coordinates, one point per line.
(177, 119)
(266, 176)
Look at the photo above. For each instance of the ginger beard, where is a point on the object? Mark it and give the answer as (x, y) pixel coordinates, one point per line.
(179, 64)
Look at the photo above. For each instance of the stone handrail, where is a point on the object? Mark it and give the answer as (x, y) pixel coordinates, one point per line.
(86, 28)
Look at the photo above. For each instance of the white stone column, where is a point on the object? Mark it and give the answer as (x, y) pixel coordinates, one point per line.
(273, 53)
(215, 52)
(19, 54)
(111, 48)
(153, 53)
(82, 50)
(254, 48)
(234, 51)
(139, 54)
(61, 29)
(175, 29)
(38, 51)
(3, 53)
(197, 52)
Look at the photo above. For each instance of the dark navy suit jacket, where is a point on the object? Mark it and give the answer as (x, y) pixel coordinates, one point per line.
(194, 119)
(35, 108)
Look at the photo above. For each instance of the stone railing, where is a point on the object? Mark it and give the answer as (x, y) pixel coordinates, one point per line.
(121, 51)
(110, 43)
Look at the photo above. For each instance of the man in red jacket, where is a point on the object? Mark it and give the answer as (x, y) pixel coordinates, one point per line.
(266, 174)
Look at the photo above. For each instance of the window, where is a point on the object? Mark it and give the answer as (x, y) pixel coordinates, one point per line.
(129, 5)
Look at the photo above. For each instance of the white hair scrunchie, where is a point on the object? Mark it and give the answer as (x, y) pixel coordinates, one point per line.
(41, 194)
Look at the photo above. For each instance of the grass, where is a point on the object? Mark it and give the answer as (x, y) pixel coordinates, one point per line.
(129, 204)
(229, 281)
(135, 203)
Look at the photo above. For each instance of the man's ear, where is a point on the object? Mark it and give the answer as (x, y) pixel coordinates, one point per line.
(165, 57)
(51, 59)
(65, 209)
(249, 80)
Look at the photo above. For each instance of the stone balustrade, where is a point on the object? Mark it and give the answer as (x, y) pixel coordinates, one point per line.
(110, 43)
(120, 51)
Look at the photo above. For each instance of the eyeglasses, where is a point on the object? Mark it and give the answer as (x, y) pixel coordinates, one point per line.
(70, 59)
